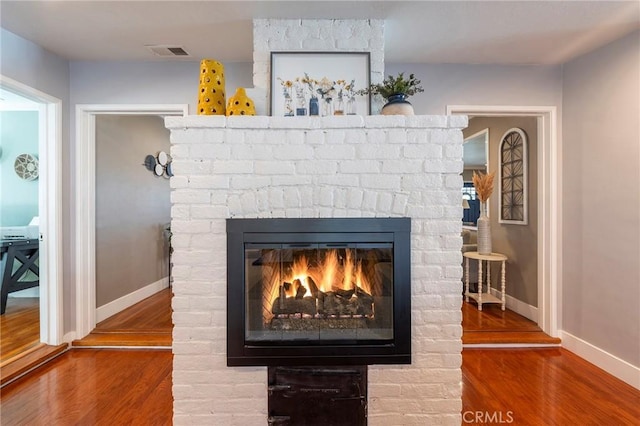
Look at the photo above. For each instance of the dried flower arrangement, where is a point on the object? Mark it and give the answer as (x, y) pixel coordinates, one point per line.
(483, 184)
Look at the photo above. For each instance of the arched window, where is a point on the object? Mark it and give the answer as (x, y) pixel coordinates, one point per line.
(513, 177)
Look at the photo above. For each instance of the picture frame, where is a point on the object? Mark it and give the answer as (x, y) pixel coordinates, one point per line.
(331, 66)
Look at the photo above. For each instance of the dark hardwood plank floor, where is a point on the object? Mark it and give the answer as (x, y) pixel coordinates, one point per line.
(19, 327)
(93, 387)
(147, 323)
(543, 387)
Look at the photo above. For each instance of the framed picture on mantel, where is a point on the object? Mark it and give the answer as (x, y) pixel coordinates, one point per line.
(319, 83)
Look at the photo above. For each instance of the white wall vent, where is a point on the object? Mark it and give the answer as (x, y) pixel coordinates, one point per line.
(167, 50)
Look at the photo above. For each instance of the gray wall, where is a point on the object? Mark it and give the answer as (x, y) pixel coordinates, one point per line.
(40, 69)
(518, 242)
(148, 82)
(132, 206)
(177, 82)
(601, 219)
(460, 84)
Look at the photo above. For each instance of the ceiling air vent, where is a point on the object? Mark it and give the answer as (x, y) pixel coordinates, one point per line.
(167, 50)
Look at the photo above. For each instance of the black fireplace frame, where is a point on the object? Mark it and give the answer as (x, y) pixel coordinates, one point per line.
(298, 230)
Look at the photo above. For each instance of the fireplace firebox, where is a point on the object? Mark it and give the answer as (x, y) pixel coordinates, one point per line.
(318, 291)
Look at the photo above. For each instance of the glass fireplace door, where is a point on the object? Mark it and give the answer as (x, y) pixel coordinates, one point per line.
(318, 292)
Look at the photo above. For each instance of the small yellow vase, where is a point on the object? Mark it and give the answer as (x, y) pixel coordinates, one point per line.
(240, 104)
(211, 98)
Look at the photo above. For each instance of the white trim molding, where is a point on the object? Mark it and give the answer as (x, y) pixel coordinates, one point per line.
(549, 204)
(49, 206)
(85, 176)
(119, 305)
(518, 306)
(613, 365)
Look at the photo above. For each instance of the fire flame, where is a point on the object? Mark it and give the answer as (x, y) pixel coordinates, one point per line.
(332, 272)
(299, 271)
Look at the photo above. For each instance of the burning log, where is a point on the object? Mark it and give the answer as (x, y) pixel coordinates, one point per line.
(330, 304)
(292, 306)
(313, 287)
(300, 290)
(365, 301)
(345, 294)
(361, 294)
(339, 302)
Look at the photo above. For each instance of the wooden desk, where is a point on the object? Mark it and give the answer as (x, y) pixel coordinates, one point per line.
(26, 253)
(481, 296)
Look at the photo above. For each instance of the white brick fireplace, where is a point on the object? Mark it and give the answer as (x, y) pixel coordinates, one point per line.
(312, 167)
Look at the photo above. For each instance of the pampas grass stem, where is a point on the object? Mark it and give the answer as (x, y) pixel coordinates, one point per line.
(483, 184)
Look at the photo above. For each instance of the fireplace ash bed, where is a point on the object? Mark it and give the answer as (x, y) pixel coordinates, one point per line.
(318, 291)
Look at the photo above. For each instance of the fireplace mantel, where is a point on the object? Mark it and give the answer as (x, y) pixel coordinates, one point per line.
(318, 123)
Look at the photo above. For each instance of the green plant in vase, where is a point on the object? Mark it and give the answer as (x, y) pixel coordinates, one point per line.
(395, 91)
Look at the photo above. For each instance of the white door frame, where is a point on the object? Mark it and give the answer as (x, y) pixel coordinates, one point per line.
(85, 179)
(49, 208)
(549, 205)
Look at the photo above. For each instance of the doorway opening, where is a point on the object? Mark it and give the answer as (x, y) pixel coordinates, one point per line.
(548, 203)
(85, 143)
(45, 227)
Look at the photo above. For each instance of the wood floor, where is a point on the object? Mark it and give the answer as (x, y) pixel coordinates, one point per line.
(511, 386)
(492, 325)
(543, 387)
(93, 387)
(147, 323)
(19, 327)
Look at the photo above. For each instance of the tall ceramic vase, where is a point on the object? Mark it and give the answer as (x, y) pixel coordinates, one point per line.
(484, 230)
(211, 97)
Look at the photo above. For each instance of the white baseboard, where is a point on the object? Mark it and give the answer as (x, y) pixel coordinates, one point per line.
(518, 306)
(118, 305)
(610, 363)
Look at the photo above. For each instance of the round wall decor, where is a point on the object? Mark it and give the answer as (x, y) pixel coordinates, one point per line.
(158, 170)
(163, 158)
(160, 164)
(26, 166)
(150, 162)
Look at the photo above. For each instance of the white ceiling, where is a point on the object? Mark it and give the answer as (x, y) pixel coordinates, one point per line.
(501, 32)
